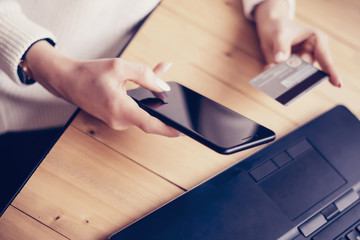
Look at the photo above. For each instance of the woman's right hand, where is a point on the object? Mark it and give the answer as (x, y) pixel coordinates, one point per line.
(98, 86)
(280, 36)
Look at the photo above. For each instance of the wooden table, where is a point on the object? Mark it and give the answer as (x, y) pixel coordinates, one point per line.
(96, 180)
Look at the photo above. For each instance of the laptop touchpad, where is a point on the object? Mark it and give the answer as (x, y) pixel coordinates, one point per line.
(296, 187)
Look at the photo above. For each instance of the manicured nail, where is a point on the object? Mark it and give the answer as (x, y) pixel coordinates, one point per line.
(340, 83)
(279, 57)
(167, 66)
(163, 85)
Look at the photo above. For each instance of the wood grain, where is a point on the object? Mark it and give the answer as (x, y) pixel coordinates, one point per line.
(338, 18)
(97, 180)
(15, 225)
(86, 190)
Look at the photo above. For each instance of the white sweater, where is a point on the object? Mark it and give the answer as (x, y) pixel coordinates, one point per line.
(80, 28)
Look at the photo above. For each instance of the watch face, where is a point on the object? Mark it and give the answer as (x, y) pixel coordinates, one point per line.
(23, 76)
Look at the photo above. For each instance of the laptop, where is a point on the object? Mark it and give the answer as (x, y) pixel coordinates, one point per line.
(304, 186)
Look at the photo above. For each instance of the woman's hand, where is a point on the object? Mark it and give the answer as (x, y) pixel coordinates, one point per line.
(98, 86)
(280, 37)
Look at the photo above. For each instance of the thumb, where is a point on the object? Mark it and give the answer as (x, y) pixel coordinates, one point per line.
(145, 77)
(162, 68)
(281, 48)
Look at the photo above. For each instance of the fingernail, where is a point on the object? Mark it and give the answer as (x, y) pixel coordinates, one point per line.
(163, 85)
(337, 83)
(167, 66)
(279, 57)
(182, 135)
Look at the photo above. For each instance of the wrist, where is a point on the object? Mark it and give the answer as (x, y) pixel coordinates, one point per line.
(48, 66)
(23, 71)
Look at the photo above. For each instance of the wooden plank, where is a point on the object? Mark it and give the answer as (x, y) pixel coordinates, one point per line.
(15, 225)
(87, 191)
(222, 19)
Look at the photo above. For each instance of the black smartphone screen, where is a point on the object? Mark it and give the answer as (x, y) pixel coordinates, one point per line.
(203, 119)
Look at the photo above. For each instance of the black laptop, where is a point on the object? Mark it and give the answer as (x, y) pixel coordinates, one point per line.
(304, 186)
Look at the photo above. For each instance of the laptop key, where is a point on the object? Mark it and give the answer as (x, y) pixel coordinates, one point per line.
(281, 159)
(263, 170)
(353, 236)
(341, 224)
(330, 212)
(312, 224)
(298, 148)
(346, 200)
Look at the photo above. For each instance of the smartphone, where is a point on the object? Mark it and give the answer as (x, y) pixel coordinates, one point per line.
(212, 124)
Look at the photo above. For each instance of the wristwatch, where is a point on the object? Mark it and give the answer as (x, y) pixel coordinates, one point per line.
(24, 72)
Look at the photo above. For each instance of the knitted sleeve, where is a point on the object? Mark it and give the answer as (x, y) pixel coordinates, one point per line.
(17, 34)
(249, 6)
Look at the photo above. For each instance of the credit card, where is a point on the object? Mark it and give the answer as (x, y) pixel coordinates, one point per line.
(289, 80)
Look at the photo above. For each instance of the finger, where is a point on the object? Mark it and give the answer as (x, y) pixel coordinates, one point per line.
(144, 76)
(309, 44)
(153, 125)
(281, 47)
(162, 67)
(270, 65)
(302, 40)
(323, 57)
(268, 53)
(302, 34)
(148, 123)
(305, 50)
(307, 57)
